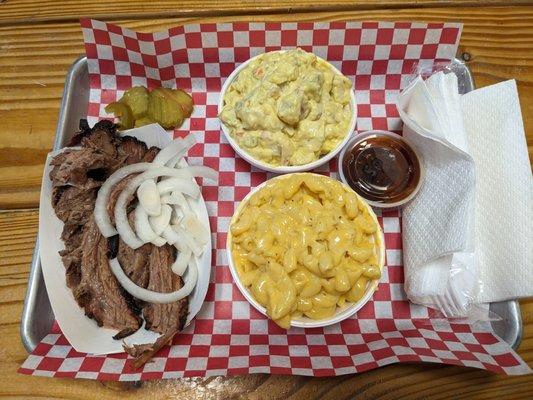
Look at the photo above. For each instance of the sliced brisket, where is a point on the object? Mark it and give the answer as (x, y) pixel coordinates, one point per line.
(163, 318)
(72, 235)
(142, 353)
(167, 319)
(98, 292)
(105, 130)
(150, 154)
(131, 150)
(135, 262)
(74, 205)
(102, 140)
(77, 176)
(85, 168)
(72, 262)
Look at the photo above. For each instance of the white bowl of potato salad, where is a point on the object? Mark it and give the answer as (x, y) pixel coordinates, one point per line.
(287, 111)
(305, 250)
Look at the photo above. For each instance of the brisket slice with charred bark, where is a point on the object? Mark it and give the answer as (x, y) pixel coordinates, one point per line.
(167, 319)
(135, 262)
(104, 138)
(98, 292)
(74, 205)
(86, 168)
(103, 135)
(77, 175)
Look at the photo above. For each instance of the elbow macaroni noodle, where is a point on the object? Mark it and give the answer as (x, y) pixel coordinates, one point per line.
(303, 245)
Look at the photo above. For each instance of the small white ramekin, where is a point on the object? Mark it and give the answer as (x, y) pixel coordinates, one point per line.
(283, 169)
(363, 135)
(341, 313)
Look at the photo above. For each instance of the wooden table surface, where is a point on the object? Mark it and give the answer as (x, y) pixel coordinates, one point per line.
(39, 40)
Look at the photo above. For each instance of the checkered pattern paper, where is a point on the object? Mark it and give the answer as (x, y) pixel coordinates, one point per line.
(228, 336)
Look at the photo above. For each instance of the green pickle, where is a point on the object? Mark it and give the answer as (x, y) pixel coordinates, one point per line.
(163, 110)
(182, 98)
(139, 107)
(123, 112)
(137, 99)
(143, 121)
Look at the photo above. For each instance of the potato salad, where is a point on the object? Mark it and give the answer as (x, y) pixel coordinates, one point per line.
(288, 108)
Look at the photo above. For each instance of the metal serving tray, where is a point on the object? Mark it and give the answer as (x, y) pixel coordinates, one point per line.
(37, 315)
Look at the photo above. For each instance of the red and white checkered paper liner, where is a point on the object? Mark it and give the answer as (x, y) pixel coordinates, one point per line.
(228, 336)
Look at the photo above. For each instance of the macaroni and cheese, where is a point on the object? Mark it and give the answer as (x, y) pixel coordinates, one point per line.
(288, 108)
(303, 245)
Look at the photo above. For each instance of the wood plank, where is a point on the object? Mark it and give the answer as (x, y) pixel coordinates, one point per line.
(24, 11)
(34, 59)
(17, 235)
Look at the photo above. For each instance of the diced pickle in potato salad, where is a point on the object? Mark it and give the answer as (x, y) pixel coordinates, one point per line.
(288, 108)
(305, 245)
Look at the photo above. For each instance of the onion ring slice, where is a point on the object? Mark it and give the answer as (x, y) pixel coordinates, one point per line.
(174, 150)
(182, 261)
(121, 218)
(188, 187)
(101, 216)
(151, 296)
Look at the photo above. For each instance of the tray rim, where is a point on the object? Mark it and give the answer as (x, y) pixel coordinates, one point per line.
(513, 338)
(35, 277)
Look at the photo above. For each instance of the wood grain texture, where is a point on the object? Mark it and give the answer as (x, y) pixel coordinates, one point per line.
(406, 381)
(34, 59)
(24, 11)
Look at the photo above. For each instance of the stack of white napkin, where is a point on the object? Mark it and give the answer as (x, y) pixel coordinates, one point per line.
(467, 235)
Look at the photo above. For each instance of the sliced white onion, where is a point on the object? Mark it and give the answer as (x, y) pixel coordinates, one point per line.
(142, 225)
(182, 260)
(202, 171)
(151, 296)
(196, 229)
(186, 186)
(170, 235)
(149, 197)
(174, 198)
(159, 241)
(174, 161)
(181, 202)
(180, 245)
(161, 221)
(174, 150)
(144, 230)
(183, 240)
(165, 198)
(177, 215)
(184, 237)
(121, 218)
(101, 217)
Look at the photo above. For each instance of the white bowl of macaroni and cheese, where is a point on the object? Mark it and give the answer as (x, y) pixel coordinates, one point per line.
(305, 250)
(287, 111)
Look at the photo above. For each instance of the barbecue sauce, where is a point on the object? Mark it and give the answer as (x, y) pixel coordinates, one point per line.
(382, 169)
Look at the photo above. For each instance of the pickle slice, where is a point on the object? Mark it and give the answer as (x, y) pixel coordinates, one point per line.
(143, 121)
(185, 101)
(123, 112)
(181, 97)
(139, 107)
(167, 112)
(137, 99)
